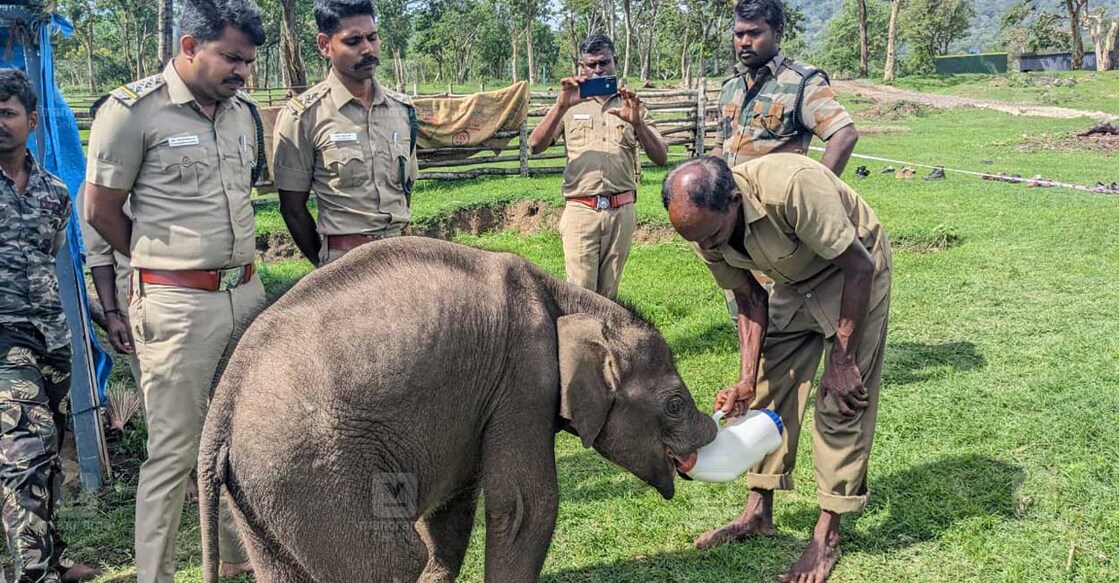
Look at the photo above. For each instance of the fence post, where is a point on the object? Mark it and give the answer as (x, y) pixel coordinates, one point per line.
(524, 149)
(700, 116)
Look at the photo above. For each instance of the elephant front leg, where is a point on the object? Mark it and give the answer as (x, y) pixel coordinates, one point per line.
(446, 532)
(522, 497)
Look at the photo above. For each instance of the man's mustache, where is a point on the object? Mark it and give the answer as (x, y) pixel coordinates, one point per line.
(233, 80)
(371, 60)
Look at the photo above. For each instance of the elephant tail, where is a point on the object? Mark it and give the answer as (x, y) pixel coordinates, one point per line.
(213, 468)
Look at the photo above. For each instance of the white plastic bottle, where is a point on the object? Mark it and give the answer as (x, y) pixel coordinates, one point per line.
(738, 446)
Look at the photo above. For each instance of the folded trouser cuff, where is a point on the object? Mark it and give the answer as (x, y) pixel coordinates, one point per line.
(770, 481)
(842, 504)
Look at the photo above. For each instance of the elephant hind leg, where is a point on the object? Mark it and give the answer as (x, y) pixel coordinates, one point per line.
(446, 532)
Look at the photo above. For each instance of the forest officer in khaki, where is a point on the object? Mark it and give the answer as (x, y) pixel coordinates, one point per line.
(184, 143)
(348, 139)
(789, 217)
(600, 180)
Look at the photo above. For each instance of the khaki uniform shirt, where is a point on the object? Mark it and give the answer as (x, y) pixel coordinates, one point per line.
(601, 149)
(768, 122)
(799, 217)
(189, 175)
(32, 230)
(360, 162)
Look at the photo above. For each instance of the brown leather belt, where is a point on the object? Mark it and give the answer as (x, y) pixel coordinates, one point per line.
(600, 203)
(203, 279)
(347, 242)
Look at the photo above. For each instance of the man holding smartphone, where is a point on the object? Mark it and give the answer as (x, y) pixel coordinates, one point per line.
(602, 126)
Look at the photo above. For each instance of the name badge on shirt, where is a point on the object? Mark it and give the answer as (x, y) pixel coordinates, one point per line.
(349, 137)
(582, 116)
(182, 141)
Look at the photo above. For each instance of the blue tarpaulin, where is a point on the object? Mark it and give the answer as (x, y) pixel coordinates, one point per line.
(63, 155)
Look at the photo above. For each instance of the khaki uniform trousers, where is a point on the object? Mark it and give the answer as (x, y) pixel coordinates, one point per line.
(181, 337)
(596, 245)
(840, 444)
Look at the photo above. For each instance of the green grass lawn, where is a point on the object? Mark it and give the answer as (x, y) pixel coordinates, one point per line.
(1087, 90)
(995, 451)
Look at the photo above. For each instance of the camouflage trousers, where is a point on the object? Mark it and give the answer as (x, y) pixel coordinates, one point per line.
(33, 387)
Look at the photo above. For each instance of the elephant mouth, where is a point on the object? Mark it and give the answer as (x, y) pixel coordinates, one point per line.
(682, 464)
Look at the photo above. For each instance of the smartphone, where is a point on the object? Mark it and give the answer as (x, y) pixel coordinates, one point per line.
(598, 86)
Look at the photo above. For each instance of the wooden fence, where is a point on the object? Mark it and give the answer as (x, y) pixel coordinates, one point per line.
(676, 114)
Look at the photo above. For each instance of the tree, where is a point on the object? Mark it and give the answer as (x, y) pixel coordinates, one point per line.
(892, 43)
(864, 44)
(292, 69)
(394, 23)
(1102, 40)
(1075, 8)
(930, 26)
(841, 56)
(166, 30)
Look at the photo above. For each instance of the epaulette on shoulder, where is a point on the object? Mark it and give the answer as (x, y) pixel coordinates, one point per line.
(244, 96)
(805, 71)
(401, 97)
(301, 102)
(135, 91)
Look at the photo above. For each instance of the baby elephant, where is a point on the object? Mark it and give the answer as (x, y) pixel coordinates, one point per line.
(361, 413)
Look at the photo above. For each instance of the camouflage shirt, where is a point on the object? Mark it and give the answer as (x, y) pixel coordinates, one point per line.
(32, 230)
(768, 122)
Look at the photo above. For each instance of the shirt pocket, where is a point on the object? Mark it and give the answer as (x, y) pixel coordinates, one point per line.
(398, 169)
(769, 117)
(579, 134)
(189, 164)
(624, 135)
(347, 165)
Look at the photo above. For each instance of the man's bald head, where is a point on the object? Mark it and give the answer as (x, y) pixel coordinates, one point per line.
(702, 200)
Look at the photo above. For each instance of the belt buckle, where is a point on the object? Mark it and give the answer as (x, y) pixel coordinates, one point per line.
(230, 278)
(601, 203)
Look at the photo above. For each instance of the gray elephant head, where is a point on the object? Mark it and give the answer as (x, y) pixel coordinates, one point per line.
(621, 394)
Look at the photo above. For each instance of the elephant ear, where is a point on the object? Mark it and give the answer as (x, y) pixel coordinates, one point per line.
(587, 375)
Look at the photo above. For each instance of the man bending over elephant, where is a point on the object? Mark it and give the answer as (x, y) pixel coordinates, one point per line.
(789, 217)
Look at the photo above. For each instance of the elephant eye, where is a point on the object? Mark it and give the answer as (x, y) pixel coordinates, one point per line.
(674, 407)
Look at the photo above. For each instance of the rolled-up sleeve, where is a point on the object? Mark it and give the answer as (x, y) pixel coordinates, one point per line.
(293, 156)
(726, 276)
(116, 147)
(818, 214)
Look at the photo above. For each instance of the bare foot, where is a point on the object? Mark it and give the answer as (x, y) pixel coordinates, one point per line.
(79, 572)
(192, 492)
(235, 569)
(756, 519)
(819, 558)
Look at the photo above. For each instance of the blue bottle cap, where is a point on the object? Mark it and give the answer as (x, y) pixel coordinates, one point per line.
(776, 419)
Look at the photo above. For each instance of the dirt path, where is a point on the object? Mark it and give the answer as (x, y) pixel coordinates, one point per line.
(887, 93)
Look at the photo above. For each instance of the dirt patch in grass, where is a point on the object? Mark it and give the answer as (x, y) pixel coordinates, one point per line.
(525, 217)
(1070, 143)
(872, 130)
(895, 110)
(924, 242)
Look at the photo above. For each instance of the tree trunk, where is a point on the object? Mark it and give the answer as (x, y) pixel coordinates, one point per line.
(1109, 46)
(166, 31)
(686, 59)
(892, 42)
(1074, 8)
(516, 63)
(294, 74)
(398, 69)
(88, 40)
(864, 43)
(647, 50)
(529, 54)
(627, 10)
